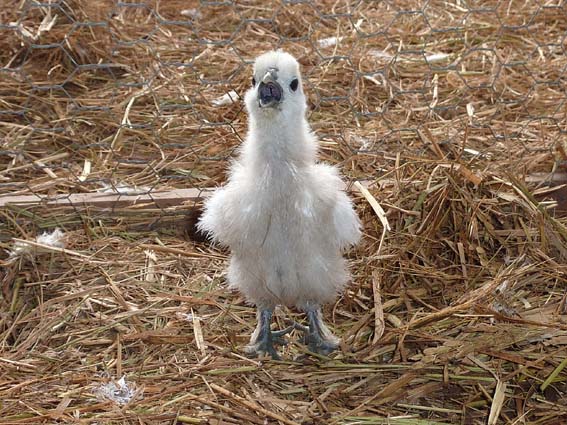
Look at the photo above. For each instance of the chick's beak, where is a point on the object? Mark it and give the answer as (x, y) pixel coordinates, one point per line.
(270, 93)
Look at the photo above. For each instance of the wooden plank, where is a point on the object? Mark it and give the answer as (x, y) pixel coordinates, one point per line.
(161, 199)
(108, 200)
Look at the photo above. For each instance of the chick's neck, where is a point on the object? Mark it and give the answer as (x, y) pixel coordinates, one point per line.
(279, 141)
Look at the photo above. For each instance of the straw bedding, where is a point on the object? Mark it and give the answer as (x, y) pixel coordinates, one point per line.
(454, 117)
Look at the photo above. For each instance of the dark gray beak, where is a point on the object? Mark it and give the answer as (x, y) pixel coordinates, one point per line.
(270, 93)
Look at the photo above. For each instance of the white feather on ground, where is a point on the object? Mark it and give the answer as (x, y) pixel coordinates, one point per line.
(56, 238)
(226, 99)
(120, 391)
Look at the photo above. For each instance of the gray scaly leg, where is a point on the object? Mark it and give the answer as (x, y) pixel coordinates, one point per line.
(318, 336)
(263, 339)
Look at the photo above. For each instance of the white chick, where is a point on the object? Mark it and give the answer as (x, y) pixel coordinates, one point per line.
(284, 216)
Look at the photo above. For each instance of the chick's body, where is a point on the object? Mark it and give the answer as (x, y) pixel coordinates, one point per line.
(286, 225)
(284, 216)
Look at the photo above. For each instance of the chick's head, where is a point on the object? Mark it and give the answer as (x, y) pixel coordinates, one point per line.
(276, 87)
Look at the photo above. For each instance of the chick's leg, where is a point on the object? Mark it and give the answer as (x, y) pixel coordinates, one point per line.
(318, 336)
(263, 339)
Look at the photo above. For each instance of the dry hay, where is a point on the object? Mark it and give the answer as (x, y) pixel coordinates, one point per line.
(455, 117)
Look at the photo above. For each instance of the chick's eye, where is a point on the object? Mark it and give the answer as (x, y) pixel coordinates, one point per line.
(294, 84)
(253, 81)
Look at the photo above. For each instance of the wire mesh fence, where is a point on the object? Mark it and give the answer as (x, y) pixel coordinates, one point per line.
(115, 116)
(138, 96)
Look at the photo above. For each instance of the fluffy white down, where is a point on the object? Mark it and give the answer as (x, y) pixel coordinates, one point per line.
(284, 217)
